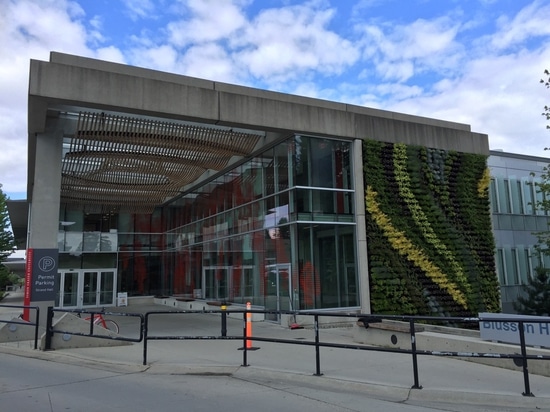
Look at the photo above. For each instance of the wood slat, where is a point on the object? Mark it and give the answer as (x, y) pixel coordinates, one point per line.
(134, 164)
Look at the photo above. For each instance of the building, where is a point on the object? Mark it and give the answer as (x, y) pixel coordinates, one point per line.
(153, 183)
(515, 220)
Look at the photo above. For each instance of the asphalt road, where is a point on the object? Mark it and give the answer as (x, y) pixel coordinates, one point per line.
(30, 384)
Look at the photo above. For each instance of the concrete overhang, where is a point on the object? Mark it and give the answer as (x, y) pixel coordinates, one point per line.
(118, 120)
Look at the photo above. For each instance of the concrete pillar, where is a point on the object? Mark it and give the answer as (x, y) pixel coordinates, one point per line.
(361, 228)
(42, 247)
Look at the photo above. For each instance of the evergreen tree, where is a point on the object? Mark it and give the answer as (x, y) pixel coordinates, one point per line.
(536, 300)
(543, 185)
(7, 241)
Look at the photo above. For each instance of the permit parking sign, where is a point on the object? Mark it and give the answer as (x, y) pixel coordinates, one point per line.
(44, 273)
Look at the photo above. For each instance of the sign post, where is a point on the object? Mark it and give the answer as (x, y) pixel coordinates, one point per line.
(40, 277)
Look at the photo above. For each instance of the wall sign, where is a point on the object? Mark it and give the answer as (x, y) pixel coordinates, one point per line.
(536, 334)
(44, 272)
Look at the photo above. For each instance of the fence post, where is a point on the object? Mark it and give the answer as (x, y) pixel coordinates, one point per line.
(36, 327)
(145, 330)
(49, 327)
(414, 355)
(524, 360)
(224, 320)
(317, 354)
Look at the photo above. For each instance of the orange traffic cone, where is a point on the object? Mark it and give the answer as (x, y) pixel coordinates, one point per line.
(248, 326)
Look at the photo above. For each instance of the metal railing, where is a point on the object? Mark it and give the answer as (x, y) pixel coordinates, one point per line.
(50, 330)
(366, 319)
(24, 322)
(317, 343)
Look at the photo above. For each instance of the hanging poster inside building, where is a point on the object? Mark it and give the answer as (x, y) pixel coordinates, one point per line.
(44, 271)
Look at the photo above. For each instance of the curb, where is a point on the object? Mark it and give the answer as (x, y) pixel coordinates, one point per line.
(291, 379)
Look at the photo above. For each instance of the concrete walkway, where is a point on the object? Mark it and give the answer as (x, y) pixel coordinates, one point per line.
(379, 374)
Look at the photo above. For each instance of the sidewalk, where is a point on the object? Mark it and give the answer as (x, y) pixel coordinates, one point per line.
(380, 374)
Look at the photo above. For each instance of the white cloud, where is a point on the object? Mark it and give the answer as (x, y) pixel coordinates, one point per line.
(24, 36)
(401, 51)
(532, 21)
(138, 9)
(211, 61)
(500, 96)
(13, 156)
(111, 54)
(163, 58)
(282, 44)
(210, 20)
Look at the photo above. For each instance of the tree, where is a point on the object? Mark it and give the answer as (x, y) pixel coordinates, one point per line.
(543, 186)
(7, 243)
(536, 300)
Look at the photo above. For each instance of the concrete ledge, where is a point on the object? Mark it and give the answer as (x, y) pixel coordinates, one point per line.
(70, 322)
(12, 332)
(461, 342)
(307, 321)
(140, 300)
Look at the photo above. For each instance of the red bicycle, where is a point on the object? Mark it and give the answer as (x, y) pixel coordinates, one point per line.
(100, 320)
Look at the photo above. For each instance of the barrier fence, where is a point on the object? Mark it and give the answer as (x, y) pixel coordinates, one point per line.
(24, 322)
(50, 330)
(317, 343)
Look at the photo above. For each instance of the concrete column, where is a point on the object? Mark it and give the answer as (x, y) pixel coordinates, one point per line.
(44, 221)
(361, 228)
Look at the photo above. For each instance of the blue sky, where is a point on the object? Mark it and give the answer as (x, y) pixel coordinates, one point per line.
(471, 61)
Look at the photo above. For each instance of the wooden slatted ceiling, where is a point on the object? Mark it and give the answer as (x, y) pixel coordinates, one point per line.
(117, 163)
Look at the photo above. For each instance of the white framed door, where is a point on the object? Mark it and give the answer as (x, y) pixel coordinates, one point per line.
(277, 294)
(82, 288)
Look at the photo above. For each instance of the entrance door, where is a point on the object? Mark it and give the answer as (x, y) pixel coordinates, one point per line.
(86, 288)
(68, 289)
(216, 282)
(278, 291)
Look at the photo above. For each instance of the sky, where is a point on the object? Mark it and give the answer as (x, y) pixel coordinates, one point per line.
(477, 62)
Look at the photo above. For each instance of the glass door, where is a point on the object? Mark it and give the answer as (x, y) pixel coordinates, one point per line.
(278, 291)
(89, 288)
(106, 288)
(68, 289)
(86, 288)
(216, 282)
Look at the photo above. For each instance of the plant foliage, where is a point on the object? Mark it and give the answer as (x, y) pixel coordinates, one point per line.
(429, 237)
(536, 300)
(7, 243)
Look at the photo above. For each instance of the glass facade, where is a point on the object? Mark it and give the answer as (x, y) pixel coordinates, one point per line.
(277, 230)
(513, 195)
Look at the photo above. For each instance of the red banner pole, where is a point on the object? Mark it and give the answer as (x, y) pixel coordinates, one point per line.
(28, 281)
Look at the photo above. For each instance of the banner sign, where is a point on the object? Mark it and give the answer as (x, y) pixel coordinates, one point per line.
(44, 272)
(493, 329)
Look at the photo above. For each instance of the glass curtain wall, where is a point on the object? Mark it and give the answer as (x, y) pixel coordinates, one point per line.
(277, 231)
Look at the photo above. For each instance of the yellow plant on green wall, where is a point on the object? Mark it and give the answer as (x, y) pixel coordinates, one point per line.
(404, 185)
(405, 247)
(484, 182)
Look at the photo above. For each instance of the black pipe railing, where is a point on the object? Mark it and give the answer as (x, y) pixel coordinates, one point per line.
(24, 322)
(317, 343)
(366, 319)
(50, 330)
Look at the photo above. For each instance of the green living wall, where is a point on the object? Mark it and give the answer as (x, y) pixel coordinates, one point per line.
(429, 238)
